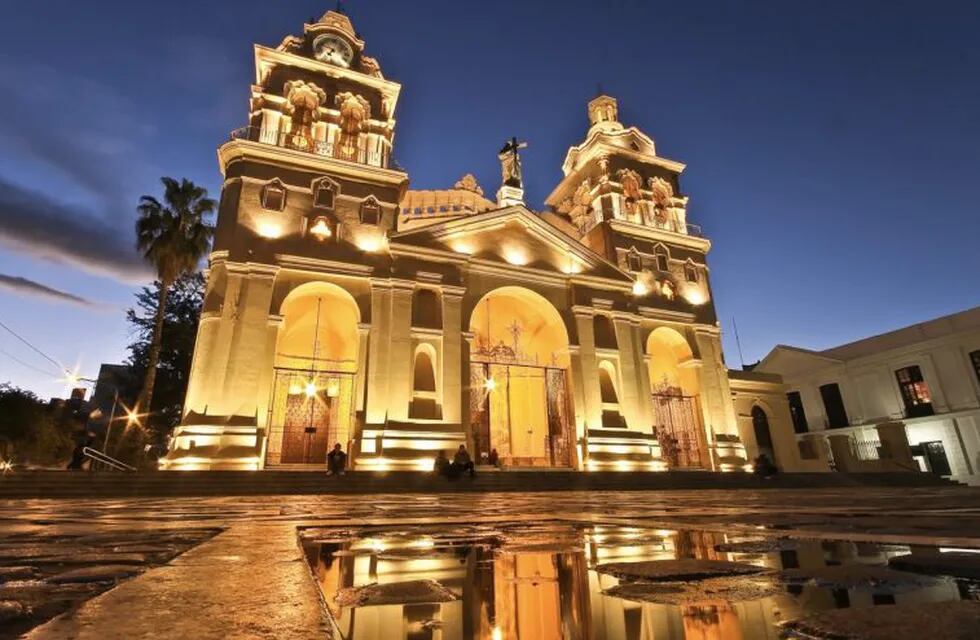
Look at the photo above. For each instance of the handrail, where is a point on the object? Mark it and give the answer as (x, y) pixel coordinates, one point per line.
(97, 456)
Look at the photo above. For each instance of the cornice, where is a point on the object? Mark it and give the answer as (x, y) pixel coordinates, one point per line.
(319, 265)
(666, 314)
(293, 159)
(659, 235)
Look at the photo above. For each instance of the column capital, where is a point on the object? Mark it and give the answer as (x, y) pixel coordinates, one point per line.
(581, 311)
(452, 292)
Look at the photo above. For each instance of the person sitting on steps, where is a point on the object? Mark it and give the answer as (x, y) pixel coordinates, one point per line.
(462, 461)
(336, 461)
(441, 465)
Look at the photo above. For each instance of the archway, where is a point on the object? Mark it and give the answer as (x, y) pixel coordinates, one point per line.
(519, 398)
(763, 436)
(675, 391)
(425, 400)
(313, 382)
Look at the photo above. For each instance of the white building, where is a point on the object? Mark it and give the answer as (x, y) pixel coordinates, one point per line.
(926, 376)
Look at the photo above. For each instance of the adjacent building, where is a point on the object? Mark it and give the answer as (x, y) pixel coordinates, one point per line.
(344, 307)
(924, 377)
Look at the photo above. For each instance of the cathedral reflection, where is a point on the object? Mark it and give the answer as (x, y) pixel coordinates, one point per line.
(540, 581)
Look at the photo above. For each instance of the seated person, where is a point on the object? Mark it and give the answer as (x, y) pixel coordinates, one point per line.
(336, 461)
(462, 461)
(441, 465)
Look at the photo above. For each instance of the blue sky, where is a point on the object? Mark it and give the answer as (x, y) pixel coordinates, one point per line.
(832, 148)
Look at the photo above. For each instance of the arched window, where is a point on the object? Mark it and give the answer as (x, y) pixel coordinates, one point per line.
(763, 437)
(426, 312)
(607, 383)
(370, 211)
(690, 272)
(663, 258)
(425, 375)
(273, 196)
(633, 260)
(325, 193)
(605, 336)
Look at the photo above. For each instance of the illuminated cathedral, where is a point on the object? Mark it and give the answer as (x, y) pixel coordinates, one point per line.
(344, 307)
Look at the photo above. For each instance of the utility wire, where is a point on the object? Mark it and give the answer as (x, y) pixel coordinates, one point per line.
(60, 366)
(28, 365)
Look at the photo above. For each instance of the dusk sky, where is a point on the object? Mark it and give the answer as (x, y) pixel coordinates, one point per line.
(833, 148)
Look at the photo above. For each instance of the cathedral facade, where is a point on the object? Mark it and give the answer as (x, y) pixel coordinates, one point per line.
(343, 307)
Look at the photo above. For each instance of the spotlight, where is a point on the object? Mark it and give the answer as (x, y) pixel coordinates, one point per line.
(490, 384)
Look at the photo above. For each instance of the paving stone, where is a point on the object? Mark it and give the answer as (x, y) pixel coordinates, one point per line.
(959, 564)
(958, 620)
(674, 570)
(12, 610)
(727, 589)
(103, 573)
(17, 573)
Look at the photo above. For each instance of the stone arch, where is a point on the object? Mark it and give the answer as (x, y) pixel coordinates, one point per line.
(605, 335)
(424, 371)
(670, 357)
(608, 383)
(319, 328)
(426, 310)
(545, 331)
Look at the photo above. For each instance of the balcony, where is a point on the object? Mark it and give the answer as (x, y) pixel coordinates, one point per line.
(306, 144)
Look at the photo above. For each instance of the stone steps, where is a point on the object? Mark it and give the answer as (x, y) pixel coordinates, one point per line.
(59, 484)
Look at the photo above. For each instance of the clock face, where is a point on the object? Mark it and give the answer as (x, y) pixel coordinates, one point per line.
(333, 49)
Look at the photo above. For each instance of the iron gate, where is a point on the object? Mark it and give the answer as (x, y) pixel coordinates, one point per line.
(678, 429)
(310, 412)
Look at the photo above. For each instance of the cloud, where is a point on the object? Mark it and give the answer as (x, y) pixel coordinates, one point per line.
(32, 288)
(33, 223)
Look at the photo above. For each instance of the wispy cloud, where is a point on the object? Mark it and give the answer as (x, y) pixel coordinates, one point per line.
(32, 288)
(33, 223)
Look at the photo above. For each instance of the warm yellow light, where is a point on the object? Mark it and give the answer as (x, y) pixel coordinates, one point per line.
(295, 389)
(516, 256)
(333, 390)
(371, 243)
(490, 384)
(462, 247)
(310, 389)
(132, 418)
(320, 229)
(497, 634)
(269, 229)
(639, 289)
(695, 296)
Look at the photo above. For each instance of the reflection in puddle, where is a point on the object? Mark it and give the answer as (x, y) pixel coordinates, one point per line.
(556, 580)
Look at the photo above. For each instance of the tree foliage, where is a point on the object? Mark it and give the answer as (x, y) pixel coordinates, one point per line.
(30, 430)
(174, 235)
(181, 316)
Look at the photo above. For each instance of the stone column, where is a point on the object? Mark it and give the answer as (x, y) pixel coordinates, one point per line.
(717, 408)
(844, 459)
(455, 375)
(360, 380)
(633, 401)
(466, 389)
(376, 403)
(401, 361)
(585, 372)
(895, 442)
(203, 363)
(248, 356)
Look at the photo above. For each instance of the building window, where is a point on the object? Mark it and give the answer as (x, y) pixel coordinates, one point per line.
(975, 359)
(663, 263)
(691, 272)
(634, 261)
(324, 195)
(915, 392)
(274, 196)
(833, 404)
(796, 412)
(370, 211)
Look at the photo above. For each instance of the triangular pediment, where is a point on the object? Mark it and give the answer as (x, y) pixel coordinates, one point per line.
(513, 236)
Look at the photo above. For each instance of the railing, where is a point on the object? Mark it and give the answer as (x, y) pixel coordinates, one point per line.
(307, 144)
(869, 450)
(97, 457)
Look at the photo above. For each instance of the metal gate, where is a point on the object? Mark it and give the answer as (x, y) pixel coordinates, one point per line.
(557, 440)
(678, 429)
(310, 412)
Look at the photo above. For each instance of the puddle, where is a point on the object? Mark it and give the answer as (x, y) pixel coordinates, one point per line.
(551, 580)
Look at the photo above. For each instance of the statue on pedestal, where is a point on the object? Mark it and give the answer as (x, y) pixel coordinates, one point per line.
(510, 163)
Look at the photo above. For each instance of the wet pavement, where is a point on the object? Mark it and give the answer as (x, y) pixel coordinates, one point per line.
(609, 566)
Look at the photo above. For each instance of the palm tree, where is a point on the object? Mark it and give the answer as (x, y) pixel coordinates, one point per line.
(174, 236)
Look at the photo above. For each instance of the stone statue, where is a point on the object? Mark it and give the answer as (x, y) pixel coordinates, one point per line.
(581, 205)
(469, 183)
(303, 100)
(354, 112)
(510, 163)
